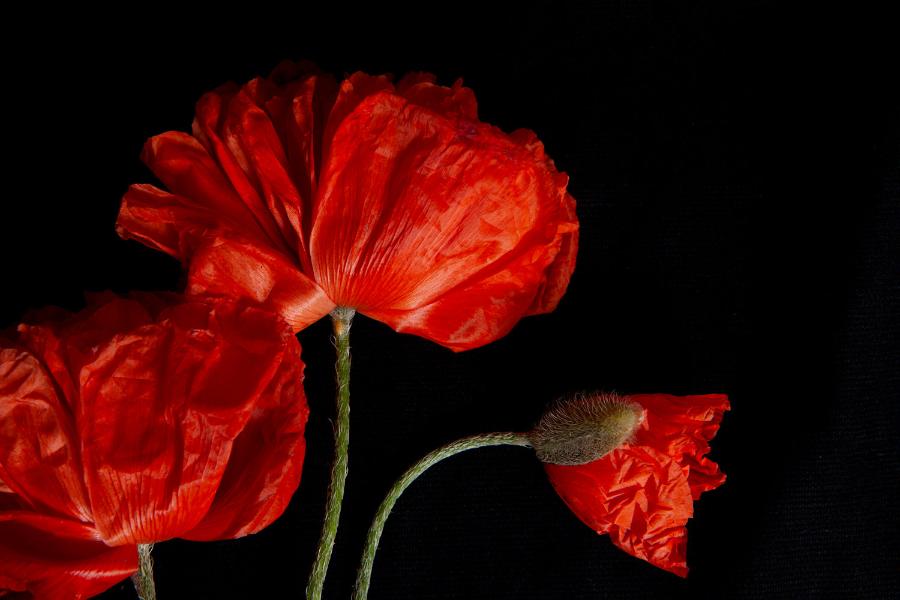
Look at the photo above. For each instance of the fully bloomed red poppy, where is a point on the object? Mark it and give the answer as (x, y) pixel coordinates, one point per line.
(393, 200)
(135, 421)
(642, 492)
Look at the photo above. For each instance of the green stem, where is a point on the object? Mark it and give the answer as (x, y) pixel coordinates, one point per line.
(364, 575)
(143, 578)
(341, 319)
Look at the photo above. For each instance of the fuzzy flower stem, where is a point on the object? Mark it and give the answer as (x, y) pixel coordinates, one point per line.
(341, 319)
(364, 575)
(143, 578)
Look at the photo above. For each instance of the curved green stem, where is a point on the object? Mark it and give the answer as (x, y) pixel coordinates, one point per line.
(364, 574)
(341, 318)
(143, 578)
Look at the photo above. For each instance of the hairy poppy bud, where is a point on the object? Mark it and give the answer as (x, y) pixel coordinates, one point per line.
(584, 428)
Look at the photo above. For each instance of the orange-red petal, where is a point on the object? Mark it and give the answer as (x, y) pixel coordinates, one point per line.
(642, 493)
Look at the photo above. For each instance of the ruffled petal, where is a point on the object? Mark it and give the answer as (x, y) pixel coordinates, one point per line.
(235, 268)
(299, 115)
(353, 90)
(266, 459)
(229, 124)
(413, 205)
(39, 459)
(637, 495)
(187, 169)
(457, 101)
(681, 427)
(58, 559)
(160, 407)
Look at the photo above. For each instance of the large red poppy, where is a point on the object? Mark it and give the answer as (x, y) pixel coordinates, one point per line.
(395, 200)
(642, 493)
(135, 421)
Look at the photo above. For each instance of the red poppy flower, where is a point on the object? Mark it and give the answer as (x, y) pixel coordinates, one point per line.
(136, 421)
(394, 200)
(642, 492)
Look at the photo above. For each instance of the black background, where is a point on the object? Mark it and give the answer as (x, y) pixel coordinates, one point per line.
(737, 183)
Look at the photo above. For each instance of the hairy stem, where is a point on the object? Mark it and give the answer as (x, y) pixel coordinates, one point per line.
(341, 319)
(143, 578)
(364, 574)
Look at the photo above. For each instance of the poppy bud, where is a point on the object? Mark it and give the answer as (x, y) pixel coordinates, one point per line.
(584, 428)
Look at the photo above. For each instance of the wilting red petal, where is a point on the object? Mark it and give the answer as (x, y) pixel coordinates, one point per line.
(39, 458)
(681, 427)
(235, 268)
(413, 205)
(159, 410)
(642, 493)
(266, 460)
(638, 496)
(54, 558)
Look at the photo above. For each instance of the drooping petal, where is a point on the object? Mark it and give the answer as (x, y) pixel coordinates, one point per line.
(266, 459)
(39, 456)
(58, 559)
(637, 495)
(160, 407)
(235, 268)
(413, 205)
(681, 427)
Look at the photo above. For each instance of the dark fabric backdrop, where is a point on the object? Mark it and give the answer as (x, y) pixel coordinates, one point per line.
(737, 183)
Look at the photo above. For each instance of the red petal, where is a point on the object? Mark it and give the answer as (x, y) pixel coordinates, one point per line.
(681, 427)
(159, 410)
(266, 460)
(557, 275)
(236, 268)
(187, 169)
(474, 315)
(413, 205)
(39, 459)
(638, 496)
(353, 90)
(299, 114)
(221, 127)
(254, 143)
(448, 101)
(55, 558)
(174, 224)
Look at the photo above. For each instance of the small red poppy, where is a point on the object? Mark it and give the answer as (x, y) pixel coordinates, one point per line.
(135, 421)
(394, 200)
(642, 492)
